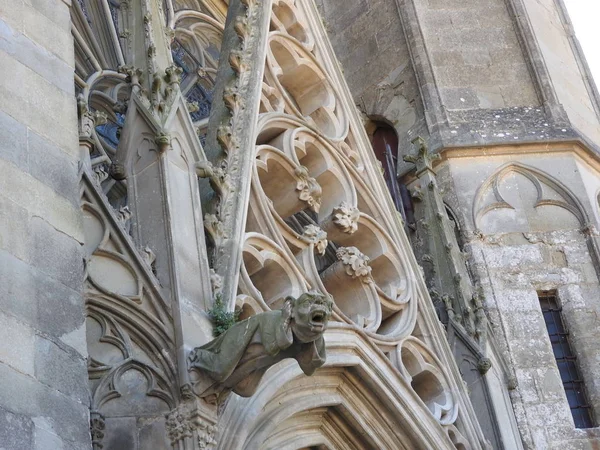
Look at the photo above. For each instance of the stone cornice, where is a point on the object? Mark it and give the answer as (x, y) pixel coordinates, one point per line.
(576, 147)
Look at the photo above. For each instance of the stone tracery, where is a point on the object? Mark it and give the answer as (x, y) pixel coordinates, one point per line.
(316, 219)
(302, 147)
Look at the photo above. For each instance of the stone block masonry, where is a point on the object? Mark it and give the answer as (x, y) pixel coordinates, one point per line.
(44, 398)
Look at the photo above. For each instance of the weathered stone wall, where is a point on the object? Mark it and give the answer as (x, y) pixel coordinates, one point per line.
(43, 395)
(518, 250)
(475, 54)
(369, 42)
(515, 268)
(464, 72)
(472, 45)
(555, 36)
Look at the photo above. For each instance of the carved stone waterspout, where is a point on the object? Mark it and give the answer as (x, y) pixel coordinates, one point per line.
(237, 359)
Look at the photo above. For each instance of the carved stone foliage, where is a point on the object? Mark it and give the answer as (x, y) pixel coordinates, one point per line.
(192, 426)
(131, 361)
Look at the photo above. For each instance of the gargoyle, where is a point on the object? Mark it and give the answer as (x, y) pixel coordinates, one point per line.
(237, 359)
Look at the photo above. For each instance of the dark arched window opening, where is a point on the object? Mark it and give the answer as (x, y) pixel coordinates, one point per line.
(385, 146)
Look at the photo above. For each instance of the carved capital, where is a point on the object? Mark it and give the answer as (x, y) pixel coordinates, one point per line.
(192, 425)
(88, 120)
(345, 217)
(355, 262)
(133, 74)
(97, 427)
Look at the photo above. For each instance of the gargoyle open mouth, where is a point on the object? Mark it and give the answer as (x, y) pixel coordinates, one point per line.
(318, 318)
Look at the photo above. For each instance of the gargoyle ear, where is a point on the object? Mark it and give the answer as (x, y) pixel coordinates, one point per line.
(289, 299)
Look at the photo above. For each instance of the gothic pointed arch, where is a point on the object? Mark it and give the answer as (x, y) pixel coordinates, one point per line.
(518, 197)
(358, 400)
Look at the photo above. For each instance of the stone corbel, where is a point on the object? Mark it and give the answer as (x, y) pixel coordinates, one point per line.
(484, 365)
(117, 171)
(345, 217)
(163, 141)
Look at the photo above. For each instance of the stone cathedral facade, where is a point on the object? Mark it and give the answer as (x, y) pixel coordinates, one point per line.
(386, 210)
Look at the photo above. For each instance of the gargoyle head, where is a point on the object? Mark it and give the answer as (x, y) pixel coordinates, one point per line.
(309, 313)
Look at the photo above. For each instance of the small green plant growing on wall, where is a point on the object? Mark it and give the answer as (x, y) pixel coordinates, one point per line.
(220, 317)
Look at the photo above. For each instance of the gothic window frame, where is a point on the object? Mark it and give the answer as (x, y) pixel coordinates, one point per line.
(566, 360)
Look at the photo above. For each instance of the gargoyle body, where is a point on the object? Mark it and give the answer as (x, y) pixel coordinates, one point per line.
(237, 359)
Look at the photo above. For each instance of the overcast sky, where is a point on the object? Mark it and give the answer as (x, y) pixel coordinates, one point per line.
(585, 15)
